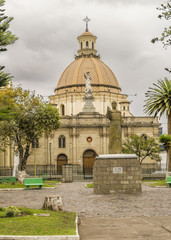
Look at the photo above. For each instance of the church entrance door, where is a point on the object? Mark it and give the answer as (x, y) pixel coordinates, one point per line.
(61, 159)
(88, 163)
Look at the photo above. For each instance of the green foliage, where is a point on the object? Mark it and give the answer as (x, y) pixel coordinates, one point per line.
(142, 147)
(6, 38)
(4, 77)
(32, 117)
(165, 139)
(1, 209)
(166, 34)
(12, 211)
(25, 211)
(159, 98)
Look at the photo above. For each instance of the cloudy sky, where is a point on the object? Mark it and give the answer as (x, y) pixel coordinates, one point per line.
(48, 30)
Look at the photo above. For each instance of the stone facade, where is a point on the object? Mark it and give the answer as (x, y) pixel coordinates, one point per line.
(117, 173)
(77, 131)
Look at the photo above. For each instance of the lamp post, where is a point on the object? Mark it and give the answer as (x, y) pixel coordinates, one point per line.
(50, 158)
(34, 163)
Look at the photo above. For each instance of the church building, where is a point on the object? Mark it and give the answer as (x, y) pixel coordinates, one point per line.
(84, 132)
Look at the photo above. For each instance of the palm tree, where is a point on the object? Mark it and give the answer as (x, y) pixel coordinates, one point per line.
(159, 102)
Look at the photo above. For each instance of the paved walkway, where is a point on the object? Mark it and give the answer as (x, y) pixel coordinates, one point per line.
(134, 228)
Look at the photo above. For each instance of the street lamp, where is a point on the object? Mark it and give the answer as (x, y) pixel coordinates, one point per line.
(50, 157)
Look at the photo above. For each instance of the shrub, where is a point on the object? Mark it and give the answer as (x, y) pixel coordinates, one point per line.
(25, 211)
(12, 211)
(1, 209)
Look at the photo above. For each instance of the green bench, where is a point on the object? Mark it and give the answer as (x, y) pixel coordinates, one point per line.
(169, 182)
(44, 176)
(7, 179)
(33, 182)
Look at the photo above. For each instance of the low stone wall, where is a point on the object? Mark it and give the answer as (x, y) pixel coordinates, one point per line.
(117, 173)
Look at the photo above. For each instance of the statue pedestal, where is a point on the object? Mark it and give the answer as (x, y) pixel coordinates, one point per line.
(88, 106)
(117, 173)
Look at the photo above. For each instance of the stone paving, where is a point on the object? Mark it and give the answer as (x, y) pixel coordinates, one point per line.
(151, 202)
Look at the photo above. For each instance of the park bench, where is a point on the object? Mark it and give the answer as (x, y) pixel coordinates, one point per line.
(12, 179)
(169, 181)
(33, 182)
(7, 179)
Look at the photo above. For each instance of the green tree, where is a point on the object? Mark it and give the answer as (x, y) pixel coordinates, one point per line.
(165, 139)
(6, 38)
(165, 37)
(159, 102)
(166, 34)
(32, 117)
(141, 146)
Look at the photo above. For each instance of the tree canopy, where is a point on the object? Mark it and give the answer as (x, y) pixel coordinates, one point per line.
(141, 146)
(31, 118)
(166, 34)
(6, 38)
(159, 102)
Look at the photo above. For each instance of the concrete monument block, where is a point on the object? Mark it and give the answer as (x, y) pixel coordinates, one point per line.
(122, 174)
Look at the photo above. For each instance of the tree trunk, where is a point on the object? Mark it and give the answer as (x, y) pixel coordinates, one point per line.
(169, 151)
(23, 159)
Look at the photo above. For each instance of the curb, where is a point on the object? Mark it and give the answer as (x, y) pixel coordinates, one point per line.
(13, 189)
(52, 237)
(59, 237)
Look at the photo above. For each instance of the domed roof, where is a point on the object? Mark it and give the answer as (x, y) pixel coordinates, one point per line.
(86, 34)
(102, 78)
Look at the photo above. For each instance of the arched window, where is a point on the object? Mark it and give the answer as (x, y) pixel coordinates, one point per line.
(61, 141)
(92, 45)
(86, 44)
(81, 45)
(124, 108)
(62, 109)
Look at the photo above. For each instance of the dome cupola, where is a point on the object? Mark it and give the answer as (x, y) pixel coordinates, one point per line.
(87, 43)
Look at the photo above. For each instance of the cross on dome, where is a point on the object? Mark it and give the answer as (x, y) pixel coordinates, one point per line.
(86, 20)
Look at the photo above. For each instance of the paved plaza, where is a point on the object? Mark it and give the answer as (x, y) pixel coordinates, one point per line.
(146, 215)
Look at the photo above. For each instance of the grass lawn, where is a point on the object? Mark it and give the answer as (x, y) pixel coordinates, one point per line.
(19, 185)
(154, 183)
(89, 185)
(58, 223)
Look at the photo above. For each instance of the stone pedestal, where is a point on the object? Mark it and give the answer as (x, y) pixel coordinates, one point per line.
(67, 175)
(89, 106)
(117, 173)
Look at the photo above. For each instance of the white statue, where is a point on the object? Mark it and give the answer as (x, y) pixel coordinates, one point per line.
(88, 89)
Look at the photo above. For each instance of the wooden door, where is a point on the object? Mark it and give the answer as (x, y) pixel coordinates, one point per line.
(62, 159)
